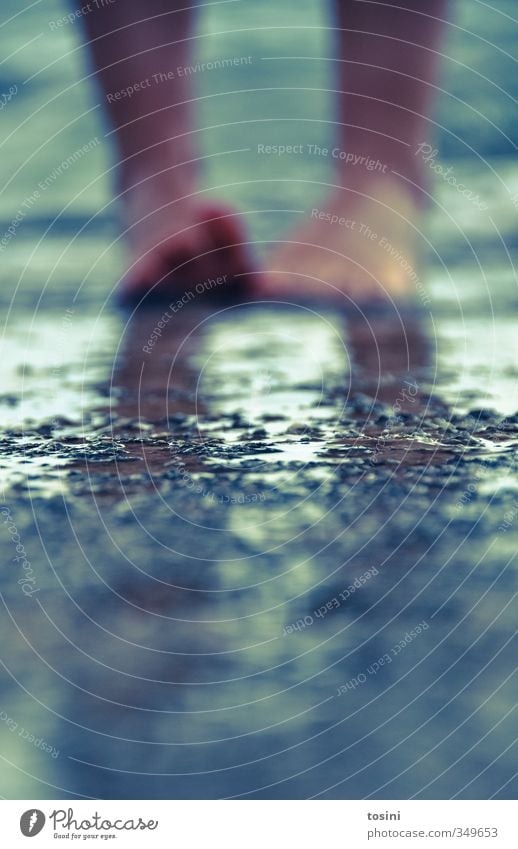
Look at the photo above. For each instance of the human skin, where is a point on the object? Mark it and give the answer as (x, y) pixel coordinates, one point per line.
(386, 59)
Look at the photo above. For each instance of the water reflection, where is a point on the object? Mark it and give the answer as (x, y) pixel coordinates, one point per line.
(244, 472)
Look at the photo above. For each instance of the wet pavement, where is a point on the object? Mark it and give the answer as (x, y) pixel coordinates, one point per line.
(269, 550)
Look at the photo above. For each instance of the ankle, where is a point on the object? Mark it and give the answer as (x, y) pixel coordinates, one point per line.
(164, 170)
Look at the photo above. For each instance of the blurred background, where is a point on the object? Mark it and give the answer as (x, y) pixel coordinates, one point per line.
(184, 517)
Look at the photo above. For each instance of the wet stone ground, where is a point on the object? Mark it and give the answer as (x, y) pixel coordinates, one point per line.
(273, 556)
(227, 531)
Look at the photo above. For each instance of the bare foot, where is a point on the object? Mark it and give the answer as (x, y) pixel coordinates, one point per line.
(178, 238)
(360, 243)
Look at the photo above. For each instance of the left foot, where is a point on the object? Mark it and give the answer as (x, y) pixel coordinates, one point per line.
(359, 243)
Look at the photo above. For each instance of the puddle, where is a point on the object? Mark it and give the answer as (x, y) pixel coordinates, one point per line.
(286, 394)
(182, 509)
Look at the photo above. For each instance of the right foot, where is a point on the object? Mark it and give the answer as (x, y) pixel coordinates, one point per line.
(360, 244)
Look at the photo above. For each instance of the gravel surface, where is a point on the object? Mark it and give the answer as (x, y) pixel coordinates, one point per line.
(273, 555)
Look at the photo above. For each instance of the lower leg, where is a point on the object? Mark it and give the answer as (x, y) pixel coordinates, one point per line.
(388, 70)
(134, 48)
(388, 65)
(139, 53)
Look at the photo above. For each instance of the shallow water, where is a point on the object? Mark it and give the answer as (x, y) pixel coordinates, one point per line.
(196, 517)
